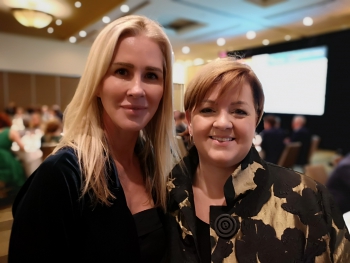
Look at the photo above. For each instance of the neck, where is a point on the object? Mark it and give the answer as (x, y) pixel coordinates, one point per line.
(122, 150)
(211, 180)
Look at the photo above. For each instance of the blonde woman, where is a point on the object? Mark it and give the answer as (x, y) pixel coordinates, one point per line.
(227, 204)
(100, 197)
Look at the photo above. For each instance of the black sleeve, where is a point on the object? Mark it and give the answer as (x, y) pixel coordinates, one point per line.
(45, 213)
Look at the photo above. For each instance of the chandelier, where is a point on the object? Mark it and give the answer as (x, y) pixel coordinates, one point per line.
(32, 18)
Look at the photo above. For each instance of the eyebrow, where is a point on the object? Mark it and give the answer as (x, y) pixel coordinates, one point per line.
(128, 65)
(240, 102)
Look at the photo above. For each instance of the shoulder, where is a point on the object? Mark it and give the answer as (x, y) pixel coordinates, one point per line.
(282, 174)
(63, 156)
(304, 196)
(58, 170)
(57, 180)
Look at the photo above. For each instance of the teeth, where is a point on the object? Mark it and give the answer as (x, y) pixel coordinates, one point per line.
(222, 139)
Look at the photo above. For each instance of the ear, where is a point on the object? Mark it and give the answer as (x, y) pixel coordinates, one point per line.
(98, 91)
(188, 118)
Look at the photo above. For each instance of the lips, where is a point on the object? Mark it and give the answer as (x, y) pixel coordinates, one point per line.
(222, 139)
(133, 107)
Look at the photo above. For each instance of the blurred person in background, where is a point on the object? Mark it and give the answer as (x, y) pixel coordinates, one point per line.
(52, 131)
(11, 171)
(226, 204)
(20, 119)
(338, 184)
(300, 133)
(11, 109)
(179, 123)
(101, 195)
(272, 139)
(45, 113)
(57, 111)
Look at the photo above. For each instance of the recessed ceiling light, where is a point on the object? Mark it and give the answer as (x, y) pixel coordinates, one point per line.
(72, 39)
(307, 21)
(58, 22)
(50, 30)
(251, 35)
(82, 33)
(221, 41)
(265, 42)
(287, 37)
(186, 50)
(124, 8)
(106, 19)
(77, 4)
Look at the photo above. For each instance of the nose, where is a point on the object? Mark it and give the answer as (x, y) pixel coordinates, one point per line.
(223, 121)
(136, 88)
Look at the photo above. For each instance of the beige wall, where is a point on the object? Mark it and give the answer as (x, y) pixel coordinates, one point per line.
(35, 55)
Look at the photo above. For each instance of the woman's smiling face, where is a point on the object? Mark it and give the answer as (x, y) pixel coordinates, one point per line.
(223, 127)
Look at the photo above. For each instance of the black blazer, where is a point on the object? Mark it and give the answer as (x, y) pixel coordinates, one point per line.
(51, 223)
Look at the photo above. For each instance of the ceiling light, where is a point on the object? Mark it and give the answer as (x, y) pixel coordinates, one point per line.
(32, 18)
(265, 42)
(50, 30)
(82, 33)
(221, 41)
(186, 50)
(124, 8)
(106, 19)
(77, 4)
(72, 39)
(287, 37)
(58, 22)
(251, 35)
(307, 21)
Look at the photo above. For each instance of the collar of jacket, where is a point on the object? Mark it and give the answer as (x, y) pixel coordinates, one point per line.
(246, 190)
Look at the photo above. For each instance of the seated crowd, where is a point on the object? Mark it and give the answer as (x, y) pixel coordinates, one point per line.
(24, 131)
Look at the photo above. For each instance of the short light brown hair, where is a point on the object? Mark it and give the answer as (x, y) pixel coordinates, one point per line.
(230, 73)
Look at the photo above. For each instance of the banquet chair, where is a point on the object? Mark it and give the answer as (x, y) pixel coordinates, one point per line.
(289, 155)
(181, 145)
(315, 141)
(47, 149)
(317, 172)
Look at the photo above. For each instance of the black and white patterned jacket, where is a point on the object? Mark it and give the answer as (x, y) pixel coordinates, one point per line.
(273, 214)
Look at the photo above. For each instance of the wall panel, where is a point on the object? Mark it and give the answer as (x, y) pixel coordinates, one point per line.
(19, 89)
(68, 86)
(45, 90)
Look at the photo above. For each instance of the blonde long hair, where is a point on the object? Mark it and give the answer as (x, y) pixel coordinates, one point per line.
(83, 128)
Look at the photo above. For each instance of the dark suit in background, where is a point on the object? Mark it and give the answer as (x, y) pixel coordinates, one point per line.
(339, 184)
(272, 144)
(302, 135)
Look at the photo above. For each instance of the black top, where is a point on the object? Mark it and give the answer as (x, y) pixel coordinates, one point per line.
(53, 224)
(151, 235)
(203, 234)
